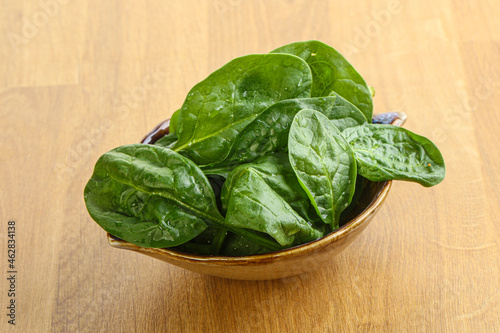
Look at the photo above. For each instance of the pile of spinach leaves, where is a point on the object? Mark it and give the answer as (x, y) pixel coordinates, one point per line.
(266, 153)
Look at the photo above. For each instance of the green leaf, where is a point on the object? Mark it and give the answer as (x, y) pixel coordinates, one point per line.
(153, 197)
(344, 114)
(262, 197)
(269, 131)
(167, 141)
(222, 171)
(150, 196)
(323, 163)
(332, 73)
(387, 152)
(275, 170)
(173, 122)
(217, 109)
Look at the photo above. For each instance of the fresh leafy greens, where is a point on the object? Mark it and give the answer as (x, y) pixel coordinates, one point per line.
(150, 196)
(387, 152)
(277, 172)
(154, 197)
(332, 73)
(167, 141)
(324, 164)
(268, 133)
(173, 122)
(269, 151)
(255, 199)
(221, 106)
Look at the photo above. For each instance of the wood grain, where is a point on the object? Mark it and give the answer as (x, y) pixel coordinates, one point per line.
(81, 77)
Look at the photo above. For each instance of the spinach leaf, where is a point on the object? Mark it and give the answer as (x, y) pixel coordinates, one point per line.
(324, 164)
(221, 172)
(154, 197)
(387, 152)
(167, 141)
(344, 114)
(222, 105)
(253, 196)
(150, 196)
(275, 170)
(269, 131)
(332, 73)
(173, 122)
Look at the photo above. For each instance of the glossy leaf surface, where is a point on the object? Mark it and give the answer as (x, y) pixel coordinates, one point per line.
(269, 131)
(387, 152)
(279, 175)
(332, 73)
(168, 141)
(344, 114)
(173, 122)
(217, 109)
(323, 163)
(260, 197)
(150, 196)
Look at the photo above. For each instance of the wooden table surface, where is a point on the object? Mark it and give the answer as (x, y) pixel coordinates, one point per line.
(78, 78)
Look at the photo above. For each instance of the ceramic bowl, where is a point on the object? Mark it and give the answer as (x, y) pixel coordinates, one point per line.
(280, 264)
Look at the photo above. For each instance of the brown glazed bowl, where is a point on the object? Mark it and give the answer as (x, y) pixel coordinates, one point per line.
(280, 264)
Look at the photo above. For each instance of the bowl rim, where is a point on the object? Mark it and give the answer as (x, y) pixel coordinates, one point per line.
(296, 251)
